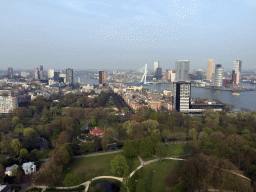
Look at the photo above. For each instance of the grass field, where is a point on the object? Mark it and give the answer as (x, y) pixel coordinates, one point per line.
(154, 180)
(148, 158)
(178, 149)
(90, 167)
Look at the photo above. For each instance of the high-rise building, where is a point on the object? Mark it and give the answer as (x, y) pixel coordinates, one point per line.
(182, 69)
(156, 65)
(173, 75)
(158, 73)
(41, 72)
(217, 77)
(50, 73)
(167, 75)
(181, 95)
(237, 69)
(10, 72)
(210, 69)
(182, 100)
(102, 77)
(69, 76)
(36, 73)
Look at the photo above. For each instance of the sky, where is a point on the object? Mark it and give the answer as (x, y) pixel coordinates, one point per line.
(117, 34)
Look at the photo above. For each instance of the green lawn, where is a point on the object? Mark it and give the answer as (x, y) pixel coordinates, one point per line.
(178, 149)
(148, 158)
(90, 167)
(154, 181)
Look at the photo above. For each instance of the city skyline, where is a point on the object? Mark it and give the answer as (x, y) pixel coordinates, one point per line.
(114, 35)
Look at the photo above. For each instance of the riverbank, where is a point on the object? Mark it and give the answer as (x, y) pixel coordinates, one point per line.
(226, 89)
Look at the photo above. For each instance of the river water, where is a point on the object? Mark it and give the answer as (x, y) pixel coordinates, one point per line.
(246, 99)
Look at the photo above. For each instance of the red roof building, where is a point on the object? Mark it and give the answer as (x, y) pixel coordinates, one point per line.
(96, 132)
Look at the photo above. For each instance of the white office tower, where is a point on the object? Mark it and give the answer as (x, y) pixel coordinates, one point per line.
(36, 73)
(182, 69)
(156, 65)
(173, 75)
(217, 77)
(210, 69)
(237, 69)
(51, 73)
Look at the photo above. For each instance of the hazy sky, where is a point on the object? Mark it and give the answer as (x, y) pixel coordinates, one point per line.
(117, 34)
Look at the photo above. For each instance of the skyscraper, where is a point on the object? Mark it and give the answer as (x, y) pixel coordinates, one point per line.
(210, 69)
(50, 73)
(102, 77)
(158, 73)
(41, 72)
(181, 96)
(69, 76)
(10, 72)
(217, 77)
(237, 70)
(182, 69)
(36, 73)
(156, 65)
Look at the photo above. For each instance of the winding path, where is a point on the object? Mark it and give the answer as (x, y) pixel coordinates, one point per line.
(142, 163)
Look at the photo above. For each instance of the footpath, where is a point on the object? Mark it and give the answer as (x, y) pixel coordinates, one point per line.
(142, 163)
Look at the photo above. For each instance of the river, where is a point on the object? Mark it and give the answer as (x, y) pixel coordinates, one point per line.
(246, 99)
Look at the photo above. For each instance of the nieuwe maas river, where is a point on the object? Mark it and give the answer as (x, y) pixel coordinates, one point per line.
(246, 99)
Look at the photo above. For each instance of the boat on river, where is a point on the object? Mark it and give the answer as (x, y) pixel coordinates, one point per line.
(235, 94)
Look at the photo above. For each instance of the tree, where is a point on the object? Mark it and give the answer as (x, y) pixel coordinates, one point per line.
(30, 138)
(48, 174)
(69, 150)
(130, 125)
(119, 166)
(59, 156)
(2, 173)
(87, 146)
(72, 179)
(5, 143)
(193, 133)
(207, 130)
(63, 138)
(161, 150)
(150, 126)
(33, 155)
(210, 114)
(109, 133)
(23, 154)
(202, 136)
(16, 146)
(93, 122)
(130, 148)
(19, 172)
(217, 137)
(15, 120)
(29, 132)
(146, 147)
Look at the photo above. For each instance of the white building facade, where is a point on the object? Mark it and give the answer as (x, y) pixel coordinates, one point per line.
(156, 65)
(217, 77)
(8, 104)
(51, 73)
(237, 69)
